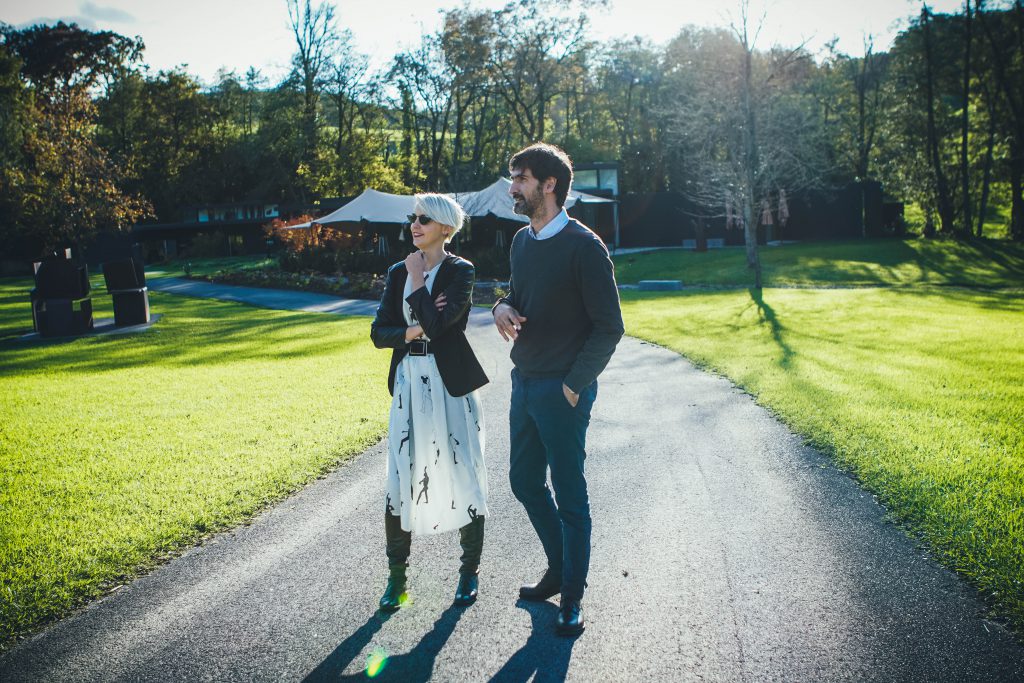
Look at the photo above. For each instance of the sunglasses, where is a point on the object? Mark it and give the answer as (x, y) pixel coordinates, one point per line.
(424, 220)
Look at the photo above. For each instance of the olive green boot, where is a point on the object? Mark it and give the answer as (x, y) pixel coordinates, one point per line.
(395, 594)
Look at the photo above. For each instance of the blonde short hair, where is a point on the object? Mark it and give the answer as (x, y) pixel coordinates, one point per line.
(442, 209)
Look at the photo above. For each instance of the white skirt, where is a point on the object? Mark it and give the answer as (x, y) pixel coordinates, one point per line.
(437, 479)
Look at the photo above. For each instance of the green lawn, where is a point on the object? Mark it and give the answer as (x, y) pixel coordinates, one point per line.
(209, 266)
(856, 263)
(116, 450)
(920, 394)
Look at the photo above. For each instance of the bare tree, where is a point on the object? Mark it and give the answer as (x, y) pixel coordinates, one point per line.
(315, 37)
(424, 74)
(532, 47)
(746, 126)
(346, 83)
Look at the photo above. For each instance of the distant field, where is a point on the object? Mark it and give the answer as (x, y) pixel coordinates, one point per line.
(919, 393)
(117, 450)
(854, 263)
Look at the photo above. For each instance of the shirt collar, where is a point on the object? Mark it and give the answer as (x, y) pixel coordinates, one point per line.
(553, 227)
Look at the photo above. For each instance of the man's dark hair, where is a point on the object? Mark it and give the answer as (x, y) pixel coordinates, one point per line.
(545, 161)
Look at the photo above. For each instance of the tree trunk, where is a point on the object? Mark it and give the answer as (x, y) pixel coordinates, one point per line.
(941, 184)
(750, 240)
(987, 173)
(1017, 200)
(862, 149)
(750, 165)
(965, 186)
(541, 114)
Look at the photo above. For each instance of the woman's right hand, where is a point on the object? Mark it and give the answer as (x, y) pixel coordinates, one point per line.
(413, 332)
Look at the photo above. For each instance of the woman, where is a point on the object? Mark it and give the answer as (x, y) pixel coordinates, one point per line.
(436, 476)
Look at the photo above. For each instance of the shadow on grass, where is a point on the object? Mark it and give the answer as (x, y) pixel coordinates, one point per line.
(412, 667)
(191, 332)
(874, 262)
(767, 315)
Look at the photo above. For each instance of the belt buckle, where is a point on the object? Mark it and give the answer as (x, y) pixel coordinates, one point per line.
(417, 347)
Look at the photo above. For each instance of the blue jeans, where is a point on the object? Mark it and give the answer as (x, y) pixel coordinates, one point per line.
(548, 433)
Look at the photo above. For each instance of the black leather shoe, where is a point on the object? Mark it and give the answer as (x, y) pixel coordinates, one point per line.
(570, 618)
(465, 594)
(549, 586)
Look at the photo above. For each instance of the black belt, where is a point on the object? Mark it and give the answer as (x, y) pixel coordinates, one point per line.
(419, 347)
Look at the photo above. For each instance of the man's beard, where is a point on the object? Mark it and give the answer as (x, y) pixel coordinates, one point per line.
(528, 206)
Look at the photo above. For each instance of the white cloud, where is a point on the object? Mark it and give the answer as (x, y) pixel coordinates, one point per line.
(107, 13)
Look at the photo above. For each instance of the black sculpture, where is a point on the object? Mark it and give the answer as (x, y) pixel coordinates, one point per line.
(61, 305)
(126, 282)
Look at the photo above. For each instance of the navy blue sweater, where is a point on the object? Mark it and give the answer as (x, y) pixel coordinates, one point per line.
(565, 287)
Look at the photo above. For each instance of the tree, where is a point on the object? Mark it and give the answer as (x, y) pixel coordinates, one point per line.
(423, 74)
(315, 37)
(853, 104)
(532, 46)
(629, 89)
(1004, 36)
(69, 188)
(747, 126)
(17, 117)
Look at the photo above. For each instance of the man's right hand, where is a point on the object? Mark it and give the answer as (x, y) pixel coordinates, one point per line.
(508, 321)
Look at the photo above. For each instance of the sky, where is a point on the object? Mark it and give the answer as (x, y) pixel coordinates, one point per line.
(209, 35)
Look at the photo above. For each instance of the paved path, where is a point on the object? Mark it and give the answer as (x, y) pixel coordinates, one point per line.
(724, 550)
(281, 299)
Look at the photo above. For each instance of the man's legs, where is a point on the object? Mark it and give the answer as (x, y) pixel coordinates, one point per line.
(528, 465)
(563, 431)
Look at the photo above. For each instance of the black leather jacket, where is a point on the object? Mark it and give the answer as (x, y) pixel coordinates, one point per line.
(457, 364)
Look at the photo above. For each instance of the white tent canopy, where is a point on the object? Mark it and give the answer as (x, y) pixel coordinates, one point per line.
(381, 207)
(495, 200)
(372, 206)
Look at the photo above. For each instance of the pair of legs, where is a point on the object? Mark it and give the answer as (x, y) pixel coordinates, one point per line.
(399, 545)
(547, 433)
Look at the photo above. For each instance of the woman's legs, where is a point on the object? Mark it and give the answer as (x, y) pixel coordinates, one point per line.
(399, 543)
(471, 538)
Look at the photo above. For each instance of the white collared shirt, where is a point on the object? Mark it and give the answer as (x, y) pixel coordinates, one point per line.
(553, 227)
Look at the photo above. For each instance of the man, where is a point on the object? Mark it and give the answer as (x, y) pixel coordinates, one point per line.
(562, 314)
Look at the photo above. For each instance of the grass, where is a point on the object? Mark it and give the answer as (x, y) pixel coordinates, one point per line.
(117, 450)
(919, 394)
(209, 266)
(855, 263)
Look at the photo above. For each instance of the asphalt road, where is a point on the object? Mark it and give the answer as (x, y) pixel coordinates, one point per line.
(724, 550)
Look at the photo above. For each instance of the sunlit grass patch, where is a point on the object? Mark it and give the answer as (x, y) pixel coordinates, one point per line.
(115, 450)
(920, 394)
(852, 263)
(209, 266)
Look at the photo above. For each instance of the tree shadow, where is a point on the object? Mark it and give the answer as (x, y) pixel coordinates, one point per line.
(192, 332)
(767, 315)
(415, 666)
(544, 656)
